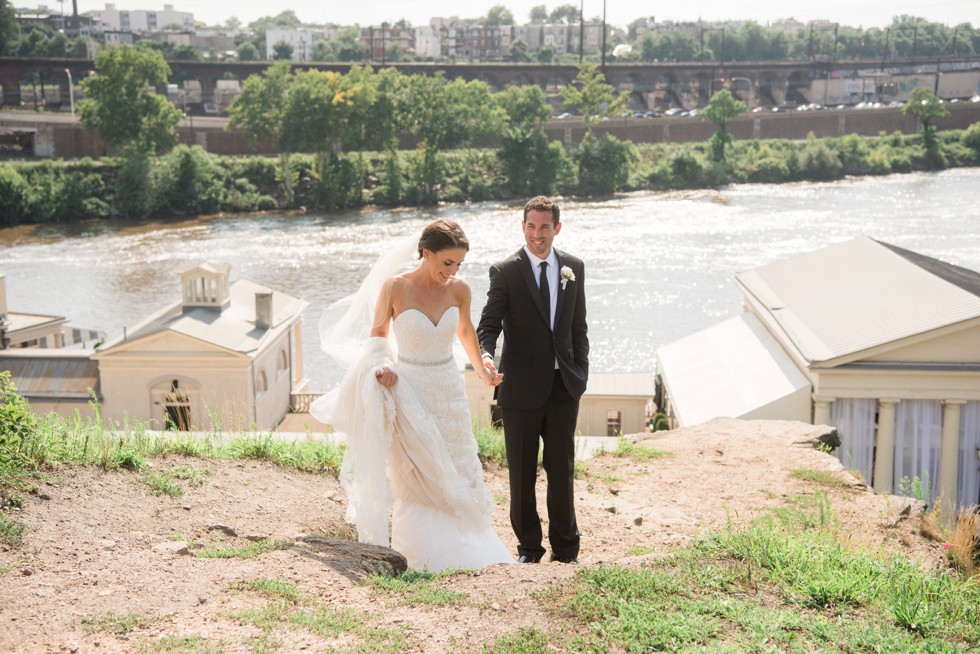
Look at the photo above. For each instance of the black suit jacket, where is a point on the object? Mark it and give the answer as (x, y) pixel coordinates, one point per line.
(530, 348)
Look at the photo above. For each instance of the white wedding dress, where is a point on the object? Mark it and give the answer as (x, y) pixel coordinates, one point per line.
(434, 453)
(412, 446)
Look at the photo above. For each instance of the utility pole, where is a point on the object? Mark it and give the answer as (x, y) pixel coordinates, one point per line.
(603, 36)
(581, 32)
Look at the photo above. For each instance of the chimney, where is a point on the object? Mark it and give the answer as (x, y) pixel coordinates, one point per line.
(263, 310)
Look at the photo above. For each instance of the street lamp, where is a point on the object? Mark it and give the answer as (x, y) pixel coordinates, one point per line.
(71, 93)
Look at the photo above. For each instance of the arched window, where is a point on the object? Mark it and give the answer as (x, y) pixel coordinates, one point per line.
(261, 382)
(282, 363)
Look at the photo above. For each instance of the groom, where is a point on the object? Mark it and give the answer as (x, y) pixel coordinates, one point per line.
(537, 297)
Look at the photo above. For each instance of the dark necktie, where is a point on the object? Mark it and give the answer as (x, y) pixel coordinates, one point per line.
(545, 291)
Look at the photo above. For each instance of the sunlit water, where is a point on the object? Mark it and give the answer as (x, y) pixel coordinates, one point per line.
(659, 265)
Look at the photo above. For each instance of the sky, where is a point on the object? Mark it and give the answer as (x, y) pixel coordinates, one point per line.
(856, 13)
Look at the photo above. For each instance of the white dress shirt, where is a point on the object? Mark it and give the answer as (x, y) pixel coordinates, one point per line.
(552, 278)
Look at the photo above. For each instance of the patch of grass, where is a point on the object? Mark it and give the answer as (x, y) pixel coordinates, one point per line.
(822, 477)
(625, 448)
(192, 644)
(773, 586)
(490, 445)
(117, 623)
(416, 587)
(11, 532)
(328, 623)
(525, 641)
(161, 483)
(274, 588)
(249, 551)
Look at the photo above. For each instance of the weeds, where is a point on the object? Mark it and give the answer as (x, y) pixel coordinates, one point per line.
(416, 587)
(822, 477)
(115, 623)
(249, 551)
(625, 448)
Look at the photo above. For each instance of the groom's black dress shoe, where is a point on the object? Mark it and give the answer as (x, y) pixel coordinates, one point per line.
(524, 558)
(564, 559)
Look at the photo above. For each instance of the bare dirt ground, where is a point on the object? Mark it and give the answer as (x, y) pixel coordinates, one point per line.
(102, 543)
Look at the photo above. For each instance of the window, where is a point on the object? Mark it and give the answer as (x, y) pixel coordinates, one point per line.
(282, 363)
(261, 382)
(614, 423)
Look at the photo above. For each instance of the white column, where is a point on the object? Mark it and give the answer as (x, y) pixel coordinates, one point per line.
(885, 447)
(949, 455)
(821, 409)
(298, 375)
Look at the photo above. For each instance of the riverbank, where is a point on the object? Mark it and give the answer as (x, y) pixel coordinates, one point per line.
(191, 181)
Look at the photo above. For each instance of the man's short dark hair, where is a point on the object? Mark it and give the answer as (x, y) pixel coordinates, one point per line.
(543, 203)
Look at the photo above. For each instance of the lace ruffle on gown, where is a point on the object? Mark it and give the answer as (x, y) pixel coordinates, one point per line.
(443, 512)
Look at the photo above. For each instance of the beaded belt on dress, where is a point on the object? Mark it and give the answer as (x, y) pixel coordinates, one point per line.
(427, 364)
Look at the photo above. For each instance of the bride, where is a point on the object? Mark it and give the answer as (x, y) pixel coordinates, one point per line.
(403, 408)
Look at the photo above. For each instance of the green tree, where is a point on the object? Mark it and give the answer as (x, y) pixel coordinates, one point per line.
(9, 27)
(349, 46)
(546, 53)
(518, 52)
(434, 116)
(480, 118)
(498, 15)
(531, 161)
(926, 108)
(247, 51)
(282, 51)
(590, 96)
(538, 15)
(121, 103)
(315, 117)
(526, 106)
(566, 13)
(259, 108)
(721, 108)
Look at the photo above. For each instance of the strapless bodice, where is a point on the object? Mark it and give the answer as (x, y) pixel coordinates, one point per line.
(420, 342)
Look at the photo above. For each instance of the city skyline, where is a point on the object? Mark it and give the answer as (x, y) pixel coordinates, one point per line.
(854, 13)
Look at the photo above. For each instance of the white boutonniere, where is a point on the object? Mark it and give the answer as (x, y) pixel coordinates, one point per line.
(566, 276)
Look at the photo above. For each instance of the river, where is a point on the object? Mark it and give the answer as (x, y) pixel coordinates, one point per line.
(659, 265)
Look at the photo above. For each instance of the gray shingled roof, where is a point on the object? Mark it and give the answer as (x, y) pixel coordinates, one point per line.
(233, 328)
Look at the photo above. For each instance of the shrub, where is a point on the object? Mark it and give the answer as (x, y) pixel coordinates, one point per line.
(768, 170)
(18, 425)
(188, 181)
(819, 163)
(687, 171)
(530, 161)
(13, 196)
(879, 161)
(603, 164)
(971, 138)
(133, 183)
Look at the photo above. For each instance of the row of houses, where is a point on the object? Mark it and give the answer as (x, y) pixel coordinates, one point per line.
(442, 38)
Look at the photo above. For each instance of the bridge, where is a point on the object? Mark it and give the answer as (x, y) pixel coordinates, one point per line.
(45, 82)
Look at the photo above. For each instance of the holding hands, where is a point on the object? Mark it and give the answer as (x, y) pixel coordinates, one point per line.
(489, 374)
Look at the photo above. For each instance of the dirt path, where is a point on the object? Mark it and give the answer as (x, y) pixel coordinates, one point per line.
(102, 543)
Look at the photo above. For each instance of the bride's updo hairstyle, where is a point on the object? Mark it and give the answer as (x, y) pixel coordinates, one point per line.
(442, 235)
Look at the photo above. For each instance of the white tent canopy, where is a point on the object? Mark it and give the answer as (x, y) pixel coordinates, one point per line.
(734, 369)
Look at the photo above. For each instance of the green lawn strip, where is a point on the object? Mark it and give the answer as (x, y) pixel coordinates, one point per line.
(188, 644)
(118, 623)
(249, 551)
(418, 587)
